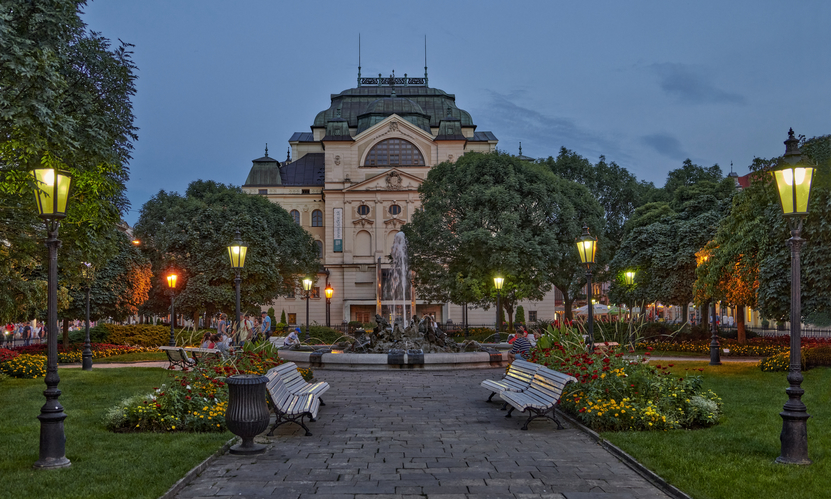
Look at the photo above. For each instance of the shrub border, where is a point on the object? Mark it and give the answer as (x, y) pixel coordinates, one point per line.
(628, 460)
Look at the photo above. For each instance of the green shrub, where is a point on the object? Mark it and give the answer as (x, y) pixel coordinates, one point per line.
(816, 356)
(520, 315)
(272, 317)
(145, 335)
(283, 318)
(776, 363)
(280, 327)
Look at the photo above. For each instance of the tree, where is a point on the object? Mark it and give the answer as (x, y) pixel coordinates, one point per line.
(189, 235)
(118, 288)
(663, 237)
(484, 215)
(65, 103)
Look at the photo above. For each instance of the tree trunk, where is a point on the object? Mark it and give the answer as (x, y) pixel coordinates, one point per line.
(66, 333)
(567, 301)
(685, 314)
(740, 325)
(510, 309)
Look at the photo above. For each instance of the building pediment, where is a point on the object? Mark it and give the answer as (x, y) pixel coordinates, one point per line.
(393, 126)
(390, 180)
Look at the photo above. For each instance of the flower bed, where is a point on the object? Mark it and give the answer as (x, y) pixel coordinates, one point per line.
(24, 366)
(617, 394)
(75, 352)
(812, 355)
(6, 354)
(193, 400)
(755, 347)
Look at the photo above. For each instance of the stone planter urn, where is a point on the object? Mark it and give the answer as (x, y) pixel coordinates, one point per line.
(247, 414)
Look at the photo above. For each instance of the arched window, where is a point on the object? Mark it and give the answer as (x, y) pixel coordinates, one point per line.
(317, 218)
(296, 216)
(319, 245)
(363, 210)
(395, 209)
(393, 152)
(363, 244)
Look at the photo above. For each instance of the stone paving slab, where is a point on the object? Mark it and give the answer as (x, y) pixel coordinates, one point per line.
(421, 434)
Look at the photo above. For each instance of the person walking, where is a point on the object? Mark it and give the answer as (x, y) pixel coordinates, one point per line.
(265, 325)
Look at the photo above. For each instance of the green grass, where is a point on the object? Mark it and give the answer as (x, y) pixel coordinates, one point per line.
(132, 357)
(104, 464)
(735, 459)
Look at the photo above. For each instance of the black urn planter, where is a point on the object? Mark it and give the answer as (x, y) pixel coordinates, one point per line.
(247, 415)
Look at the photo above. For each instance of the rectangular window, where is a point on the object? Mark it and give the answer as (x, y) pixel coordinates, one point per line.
(262, 191)
(305, 191)
(316, 292)
(291, 294)
(292, 318)
(532, 316)
(362, 316)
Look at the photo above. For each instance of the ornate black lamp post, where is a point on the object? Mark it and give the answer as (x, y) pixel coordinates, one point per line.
(498, 281)
(52, 198)
(715, 348)
(329, 292)
(171, 284)
(793, 184)
(629, 279)
(586, 248)
(86, 357)
(307, 286)
(236, 252)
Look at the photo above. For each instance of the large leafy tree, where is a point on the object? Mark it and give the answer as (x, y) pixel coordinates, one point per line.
(118, 288)
(65, 103)
(490, 214)
(663, 237)
(190, 234)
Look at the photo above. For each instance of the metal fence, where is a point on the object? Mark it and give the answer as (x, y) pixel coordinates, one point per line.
(807, 332)
(10, 342)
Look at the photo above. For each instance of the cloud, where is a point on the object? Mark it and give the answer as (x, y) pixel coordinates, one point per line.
(542, 135)
(691, 85)
(665, 144)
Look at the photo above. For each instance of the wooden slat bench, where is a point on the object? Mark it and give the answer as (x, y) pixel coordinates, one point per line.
(540, 397)
(517, 379)
(178, 357)
(289, 407)
(297, 385)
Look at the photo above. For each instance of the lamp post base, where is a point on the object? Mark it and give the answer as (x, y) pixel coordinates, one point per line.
(86, 360)
(52, 441)
(794, 438)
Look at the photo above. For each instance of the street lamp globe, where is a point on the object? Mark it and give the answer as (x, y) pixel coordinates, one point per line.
(53, 194)
(329, 291)
(629, 277)
(498, 282)
(236, 252)
(586, 247)
(793, 179)
(307, 284)
(171, 281)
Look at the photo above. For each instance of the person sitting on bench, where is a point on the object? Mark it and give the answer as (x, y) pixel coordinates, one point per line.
(521, 347)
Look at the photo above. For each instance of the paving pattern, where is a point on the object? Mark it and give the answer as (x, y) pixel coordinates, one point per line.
(417, 434)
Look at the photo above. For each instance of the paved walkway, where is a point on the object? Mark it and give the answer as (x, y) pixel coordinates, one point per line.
(417, 434)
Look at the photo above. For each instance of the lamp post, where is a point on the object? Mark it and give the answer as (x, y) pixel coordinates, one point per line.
(86, 357)
(236, 252)
(329, 292)
(793, 184)
(498, 281)
(715, 352)
(171, 284)
(629, 278)
(586, 248)
(307, 286)
(52, 197)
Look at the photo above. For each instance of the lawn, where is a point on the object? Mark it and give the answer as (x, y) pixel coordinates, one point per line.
(104, 464)
(132, 357)
(735, 459)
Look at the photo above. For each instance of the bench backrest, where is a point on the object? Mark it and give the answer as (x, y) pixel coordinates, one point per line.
(175, 354)
(549, 384)
(522, 370)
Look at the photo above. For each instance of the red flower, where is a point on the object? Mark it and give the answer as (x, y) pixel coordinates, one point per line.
(647, 353)
(672, 365)
(594, 376)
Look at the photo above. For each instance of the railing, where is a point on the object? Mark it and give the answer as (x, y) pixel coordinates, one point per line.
(806, 332)
(405, 81)
(9, 342)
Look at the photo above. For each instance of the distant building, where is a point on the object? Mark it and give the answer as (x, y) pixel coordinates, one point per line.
(352, 182)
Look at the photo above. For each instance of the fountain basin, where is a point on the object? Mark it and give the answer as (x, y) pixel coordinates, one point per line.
(381, 361)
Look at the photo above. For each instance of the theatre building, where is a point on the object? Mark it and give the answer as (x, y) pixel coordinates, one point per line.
(352, 182)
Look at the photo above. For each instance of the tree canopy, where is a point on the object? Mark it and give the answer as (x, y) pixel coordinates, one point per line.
(189, 235)
(65, 96)
(489, 214)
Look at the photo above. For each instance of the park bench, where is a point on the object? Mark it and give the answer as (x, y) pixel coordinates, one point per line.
(517, 379)
(178, 357)
(297, 385)
(540, 397)
(289, 407)
(201, 353)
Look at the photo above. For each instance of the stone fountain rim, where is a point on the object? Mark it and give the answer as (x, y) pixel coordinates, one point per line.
(380, 361)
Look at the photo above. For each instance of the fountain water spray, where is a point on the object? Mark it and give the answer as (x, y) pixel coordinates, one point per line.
(398, 277)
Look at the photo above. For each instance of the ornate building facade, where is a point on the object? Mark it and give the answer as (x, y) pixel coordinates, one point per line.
(352, 182)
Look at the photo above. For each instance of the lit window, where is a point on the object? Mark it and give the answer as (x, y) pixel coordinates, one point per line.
(296, 216)
(292, 319)
(363, 210)
(393, 152)
(395, 209)
(317, 218)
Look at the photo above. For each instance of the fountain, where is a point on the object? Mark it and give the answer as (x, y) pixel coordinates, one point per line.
(399, 282)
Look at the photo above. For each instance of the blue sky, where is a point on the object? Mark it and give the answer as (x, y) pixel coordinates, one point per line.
(645, 83)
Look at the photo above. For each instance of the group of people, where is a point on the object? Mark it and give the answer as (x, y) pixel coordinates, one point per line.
(23, 331)
(225, 338)
(522, 342)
